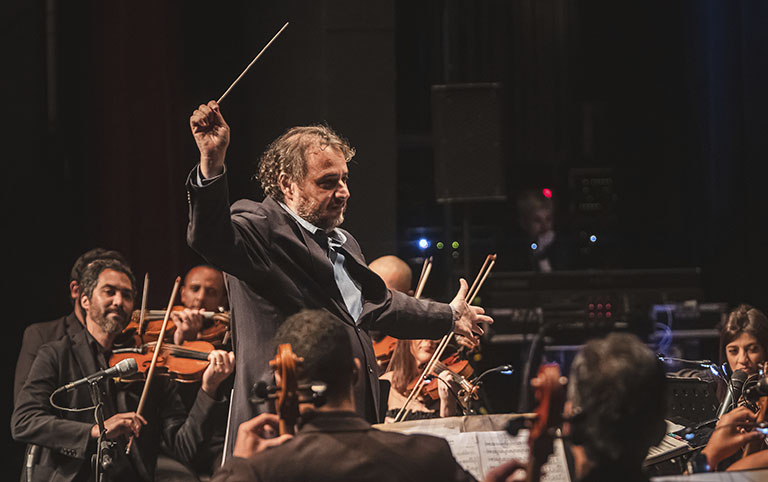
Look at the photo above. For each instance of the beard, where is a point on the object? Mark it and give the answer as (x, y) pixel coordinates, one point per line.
(112, 321)
(309, 210)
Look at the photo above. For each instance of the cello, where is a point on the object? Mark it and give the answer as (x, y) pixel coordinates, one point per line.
(287, 392)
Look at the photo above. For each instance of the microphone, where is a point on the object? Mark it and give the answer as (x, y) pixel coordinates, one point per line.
(123, 368)
(503, 369)
(735, 385)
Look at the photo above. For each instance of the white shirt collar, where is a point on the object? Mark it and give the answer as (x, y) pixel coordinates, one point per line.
(335, 234)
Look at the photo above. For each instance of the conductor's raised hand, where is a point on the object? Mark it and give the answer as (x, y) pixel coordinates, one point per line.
(467, 318)
(212, 137)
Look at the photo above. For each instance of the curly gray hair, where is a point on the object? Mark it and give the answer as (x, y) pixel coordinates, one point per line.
(287, 154)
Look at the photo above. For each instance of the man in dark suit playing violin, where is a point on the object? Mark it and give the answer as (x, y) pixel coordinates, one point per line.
(288, 253)
(38, 334)
(68, 438)
(333, 442)
(202, 290)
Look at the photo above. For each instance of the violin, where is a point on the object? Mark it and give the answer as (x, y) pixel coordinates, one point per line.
(182, 363)
(761, 407)
(215, 326)
(460, 371)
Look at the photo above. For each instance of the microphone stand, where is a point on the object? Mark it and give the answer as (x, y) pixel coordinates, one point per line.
(102, 461)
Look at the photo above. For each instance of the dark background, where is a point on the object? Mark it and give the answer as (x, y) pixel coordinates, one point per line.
(667, 99)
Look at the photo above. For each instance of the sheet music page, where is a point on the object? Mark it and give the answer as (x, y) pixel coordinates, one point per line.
(466, 452)
(480, 452)
(499, 447)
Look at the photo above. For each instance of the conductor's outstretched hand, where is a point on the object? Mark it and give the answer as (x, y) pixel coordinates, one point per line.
(467, 318)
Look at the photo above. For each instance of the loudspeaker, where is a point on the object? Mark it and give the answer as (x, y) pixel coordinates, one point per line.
(466, 128)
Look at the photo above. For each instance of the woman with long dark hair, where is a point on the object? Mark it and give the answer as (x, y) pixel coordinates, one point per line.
(408, 361)
(743, 346)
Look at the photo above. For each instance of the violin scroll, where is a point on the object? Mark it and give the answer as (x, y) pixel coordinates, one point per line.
(549, 388)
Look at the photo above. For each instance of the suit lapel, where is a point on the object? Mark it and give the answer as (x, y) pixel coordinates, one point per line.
(82, 353)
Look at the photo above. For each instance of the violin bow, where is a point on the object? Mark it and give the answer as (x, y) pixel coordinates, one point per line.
(143, 313)
(251, 64)
(490, 260)
(152, 364)
(426, 269)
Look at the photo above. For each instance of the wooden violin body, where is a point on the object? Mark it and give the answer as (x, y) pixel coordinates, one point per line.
(383, 349)
(215, 326)
(183, 363)
(460, 371)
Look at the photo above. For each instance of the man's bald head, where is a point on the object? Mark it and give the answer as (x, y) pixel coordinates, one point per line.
(394, 271)
(204, 288)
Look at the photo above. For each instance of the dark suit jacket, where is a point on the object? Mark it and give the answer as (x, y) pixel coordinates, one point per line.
(339, 446)
(276, 268)
(37, 335)
(65, 436)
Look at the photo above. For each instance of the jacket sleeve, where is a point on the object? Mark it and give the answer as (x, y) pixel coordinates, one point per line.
(404, 316)
(30, 344)
(34, 420)
(233, 243)
(187, 434)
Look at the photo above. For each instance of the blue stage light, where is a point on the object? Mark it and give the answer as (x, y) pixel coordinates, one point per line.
(424, 243)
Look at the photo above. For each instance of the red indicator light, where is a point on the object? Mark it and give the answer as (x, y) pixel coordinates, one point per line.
(547, 192)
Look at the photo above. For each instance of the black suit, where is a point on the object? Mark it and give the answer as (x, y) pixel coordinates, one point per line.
(275, 268)
(65, 436)
(336, 446)
(37, 335)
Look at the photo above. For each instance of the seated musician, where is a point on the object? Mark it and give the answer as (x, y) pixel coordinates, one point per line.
(202, 290)
(38, 334)
(395, 272)
(408, 362)
(397, 276)
(743, 345)
(68, 437)
(616, 405)
(332, 442)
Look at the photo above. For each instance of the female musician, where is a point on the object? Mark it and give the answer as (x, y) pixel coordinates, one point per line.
(744, 340)
(408, 361)
(743, 345)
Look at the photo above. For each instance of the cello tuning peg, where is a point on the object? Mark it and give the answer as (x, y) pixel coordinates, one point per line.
(261, 392)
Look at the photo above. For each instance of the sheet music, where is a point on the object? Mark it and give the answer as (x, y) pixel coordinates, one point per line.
(466, 452)
(480, 452)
